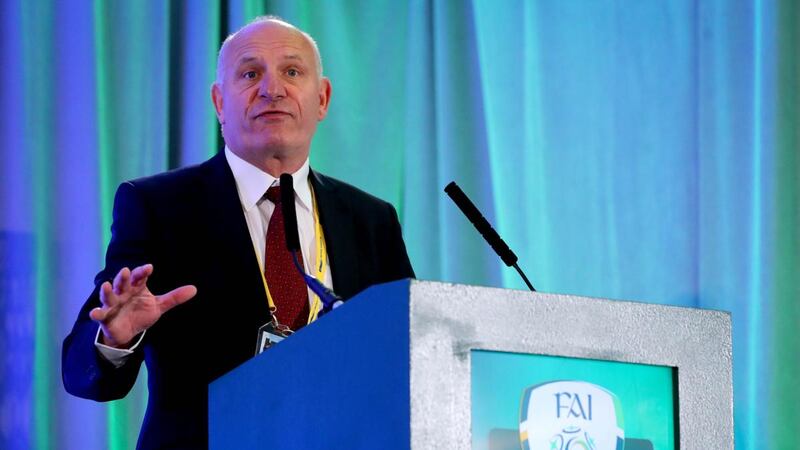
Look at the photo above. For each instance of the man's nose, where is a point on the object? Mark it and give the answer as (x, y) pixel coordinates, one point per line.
(272, 87)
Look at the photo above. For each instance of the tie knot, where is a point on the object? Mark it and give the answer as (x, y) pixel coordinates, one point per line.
(274, 194)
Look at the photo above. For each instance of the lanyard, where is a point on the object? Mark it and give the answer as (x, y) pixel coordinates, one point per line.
(322, 257)
(319, 265)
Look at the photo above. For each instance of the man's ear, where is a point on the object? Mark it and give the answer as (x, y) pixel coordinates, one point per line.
(216, 98)
(324, 97)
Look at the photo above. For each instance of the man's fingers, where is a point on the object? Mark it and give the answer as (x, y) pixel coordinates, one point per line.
(175, 297)
(98, 314)
(122, 280)
(140, 274)
(106, 294)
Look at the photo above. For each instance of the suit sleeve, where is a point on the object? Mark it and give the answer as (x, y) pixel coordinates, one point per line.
(84, 371)
(398, 265)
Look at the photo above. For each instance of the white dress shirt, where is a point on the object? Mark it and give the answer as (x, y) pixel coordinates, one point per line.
(252, 184)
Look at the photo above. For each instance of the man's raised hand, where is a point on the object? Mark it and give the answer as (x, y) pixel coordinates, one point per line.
(128, 306)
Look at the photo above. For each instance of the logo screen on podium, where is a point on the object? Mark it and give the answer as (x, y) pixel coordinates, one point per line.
(533, 402)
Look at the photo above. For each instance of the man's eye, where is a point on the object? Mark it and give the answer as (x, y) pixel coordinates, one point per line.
(293, 72)
(250, 75)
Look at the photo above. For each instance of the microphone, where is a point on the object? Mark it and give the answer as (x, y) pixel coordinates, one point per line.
(289, 213)
(329, 298)
(485, 229)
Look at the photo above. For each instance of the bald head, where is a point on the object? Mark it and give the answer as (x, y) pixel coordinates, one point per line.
(254, 26)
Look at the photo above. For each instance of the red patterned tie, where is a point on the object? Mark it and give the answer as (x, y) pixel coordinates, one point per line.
(285, 284)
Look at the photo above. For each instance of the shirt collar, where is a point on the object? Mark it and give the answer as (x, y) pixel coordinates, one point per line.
(252, 182)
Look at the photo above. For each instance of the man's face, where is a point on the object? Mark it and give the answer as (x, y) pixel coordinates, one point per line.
(270, 98)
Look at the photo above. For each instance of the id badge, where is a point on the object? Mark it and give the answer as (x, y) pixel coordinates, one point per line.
(268, 335)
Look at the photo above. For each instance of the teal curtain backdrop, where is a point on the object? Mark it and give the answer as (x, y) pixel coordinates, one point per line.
(642, 150)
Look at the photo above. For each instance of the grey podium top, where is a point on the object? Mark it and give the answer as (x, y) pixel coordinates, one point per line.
(447, 321)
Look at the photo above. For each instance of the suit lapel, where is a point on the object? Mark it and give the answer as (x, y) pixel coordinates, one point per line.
(229, 238)
(340, 234)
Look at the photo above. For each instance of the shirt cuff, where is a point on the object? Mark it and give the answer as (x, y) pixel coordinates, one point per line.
(116, 356)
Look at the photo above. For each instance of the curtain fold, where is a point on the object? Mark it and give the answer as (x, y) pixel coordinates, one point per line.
(632, 150)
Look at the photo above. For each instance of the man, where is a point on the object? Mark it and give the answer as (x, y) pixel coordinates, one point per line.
(204, 236)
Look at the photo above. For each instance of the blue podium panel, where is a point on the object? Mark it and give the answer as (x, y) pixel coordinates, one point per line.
(341, 382)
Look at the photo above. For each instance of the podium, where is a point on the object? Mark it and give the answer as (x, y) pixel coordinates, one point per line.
(429, 365)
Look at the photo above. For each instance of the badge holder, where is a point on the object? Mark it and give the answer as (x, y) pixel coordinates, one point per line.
(270, 334)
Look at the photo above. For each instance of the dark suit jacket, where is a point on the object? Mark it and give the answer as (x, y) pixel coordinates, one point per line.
(189, 224)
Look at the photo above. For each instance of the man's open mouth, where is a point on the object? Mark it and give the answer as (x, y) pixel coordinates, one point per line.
(273, 114)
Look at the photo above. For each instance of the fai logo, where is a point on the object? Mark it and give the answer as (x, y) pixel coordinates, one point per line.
(570, 415)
